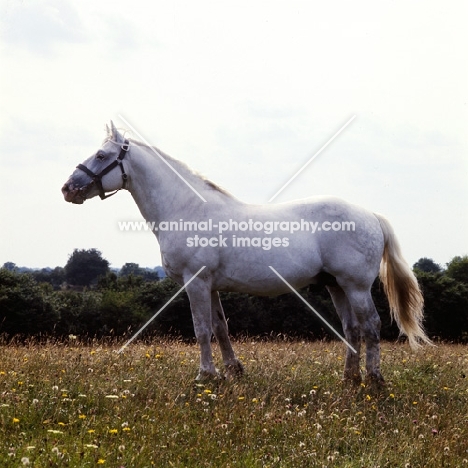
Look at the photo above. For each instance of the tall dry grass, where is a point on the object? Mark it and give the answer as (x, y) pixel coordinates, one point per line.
(79, 406)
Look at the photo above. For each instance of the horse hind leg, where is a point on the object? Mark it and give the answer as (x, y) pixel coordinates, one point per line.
(233, 366)
(352, 332)
(364, 309)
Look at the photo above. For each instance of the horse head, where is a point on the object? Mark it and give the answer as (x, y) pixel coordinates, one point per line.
(97, 174)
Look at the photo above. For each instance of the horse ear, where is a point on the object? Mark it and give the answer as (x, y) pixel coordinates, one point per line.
(114, 133)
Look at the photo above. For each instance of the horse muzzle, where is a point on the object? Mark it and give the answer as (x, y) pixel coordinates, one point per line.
(74, 194)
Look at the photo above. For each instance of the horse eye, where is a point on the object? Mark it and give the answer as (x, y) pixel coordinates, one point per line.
(100, 156)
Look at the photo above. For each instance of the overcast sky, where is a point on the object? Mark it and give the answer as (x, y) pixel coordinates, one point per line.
(245, 93)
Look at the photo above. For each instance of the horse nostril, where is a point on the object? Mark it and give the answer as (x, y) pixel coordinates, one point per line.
(65, 189)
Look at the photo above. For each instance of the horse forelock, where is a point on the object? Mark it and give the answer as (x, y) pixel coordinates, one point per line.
(109, 140)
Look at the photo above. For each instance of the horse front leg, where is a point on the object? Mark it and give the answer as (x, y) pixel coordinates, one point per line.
(199, 293)
(233, 366)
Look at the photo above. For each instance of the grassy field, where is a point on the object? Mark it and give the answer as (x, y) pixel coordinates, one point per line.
(78, 406)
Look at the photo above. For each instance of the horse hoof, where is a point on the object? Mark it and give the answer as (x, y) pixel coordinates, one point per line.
(234, 370)
(375, 379)
(354, 379)
(205, 376)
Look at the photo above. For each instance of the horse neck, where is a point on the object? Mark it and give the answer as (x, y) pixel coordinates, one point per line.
(161, 194)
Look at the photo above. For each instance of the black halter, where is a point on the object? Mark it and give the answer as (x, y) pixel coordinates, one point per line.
(97, 177)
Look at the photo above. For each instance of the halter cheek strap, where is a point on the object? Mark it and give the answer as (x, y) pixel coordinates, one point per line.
(97, 178)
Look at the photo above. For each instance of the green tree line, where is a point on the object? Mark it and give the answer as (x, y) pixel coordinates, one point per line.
(87, 299)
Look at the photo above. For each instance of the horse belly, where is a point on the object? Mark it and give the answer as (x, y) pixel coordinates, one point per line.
(248, 269)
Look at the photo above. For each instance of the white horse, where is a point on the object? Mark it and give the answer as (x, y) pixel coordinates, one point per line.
(315, 240)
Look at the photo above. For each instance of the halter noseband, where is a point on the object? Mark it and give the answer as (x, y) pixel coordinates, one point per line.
(97, 178)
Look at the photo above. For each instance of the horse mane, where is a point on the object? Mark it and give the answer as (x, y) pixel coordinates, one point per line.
(182, 167)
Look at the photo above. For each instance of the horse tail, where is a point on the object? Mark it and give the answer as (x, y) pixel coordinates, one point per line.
(401, 287)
